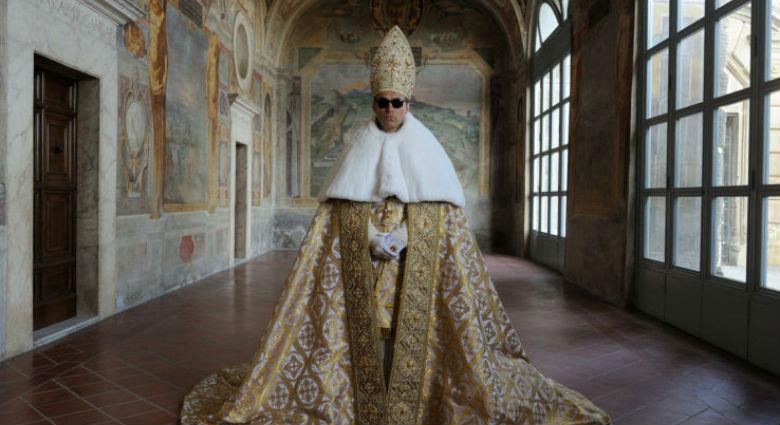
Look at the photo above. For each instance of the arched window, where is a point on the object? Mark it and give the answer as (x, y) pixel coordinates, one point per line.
(549, 123)
(709, 169)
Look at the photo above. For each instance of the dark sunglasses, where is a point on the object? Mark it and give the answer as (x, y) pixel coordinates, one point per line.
(384, 102)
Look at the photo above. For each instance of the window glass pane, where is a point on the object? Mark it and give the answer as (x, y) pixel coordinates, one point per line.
(688, 155)
(547, 21)
(554, 215)
(543, 214)
(546, 92)
(564, 170)
(655, 156)
(771, 248)
(687, 237)
(565, 127)
(567, 75)
(537, 98)
(658, 83)
(657, 22)
(729, 237)
(730, 150)
(554, 128)
(563, 216)
(545, 132)
(565, 9)
(556, 84)
(545, 174)
(535, 188)
(535, 214)
(773, 53)
(772, 143)
(655, 228)
(690, 70)
(732, 51)
(537, 138)
(690, 12)
(554, 172)
(720, 3)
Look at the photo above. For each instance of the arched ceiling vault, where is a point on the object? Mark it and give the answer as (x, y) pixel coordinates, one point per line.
(283, 15)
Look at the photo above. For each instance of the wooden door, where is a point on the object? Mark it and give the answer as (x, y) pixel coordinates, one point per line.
(54, 197)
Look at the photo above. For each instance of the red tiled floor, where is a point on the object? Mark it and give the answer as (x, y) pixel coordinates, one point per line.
(89, 417)
(134, 368)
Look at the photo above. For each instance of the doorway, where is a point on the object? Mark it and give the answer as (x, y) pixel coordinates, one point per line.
(241, 201)
(55, 140)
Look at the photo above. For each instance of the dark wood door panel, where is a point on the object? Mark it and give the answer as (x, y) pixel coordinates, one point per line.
(56, 226)
(57, 281)
(57, 150)
(37, 137)
(58, 93)
(54, 198)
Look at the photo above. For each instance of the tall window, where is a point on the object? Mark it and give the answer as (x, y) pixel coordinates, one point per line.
(550, 121)
(709, 180)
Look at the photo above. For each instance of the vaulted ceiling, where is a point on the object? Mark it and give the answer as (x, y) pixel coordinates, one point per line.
(277, 24)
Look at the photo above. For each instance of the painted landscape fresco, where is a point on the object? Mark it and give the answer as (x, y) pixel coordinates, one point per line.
(341, 102)
(186, 125)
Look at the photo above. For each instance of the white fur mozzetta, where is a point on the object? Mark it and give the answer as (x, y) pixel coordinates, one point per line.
(409, 164)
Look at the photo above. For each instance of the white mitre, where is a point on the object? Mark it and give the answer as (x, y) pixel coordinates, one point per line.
(409, 164)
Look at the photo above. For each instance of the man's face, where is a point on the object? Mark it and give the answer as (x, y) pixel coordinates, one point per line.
(390, 118)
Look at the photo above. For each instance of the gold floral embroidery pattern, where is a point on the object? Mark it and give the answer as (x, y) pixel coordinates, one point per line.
(406, 376)
(360, 305)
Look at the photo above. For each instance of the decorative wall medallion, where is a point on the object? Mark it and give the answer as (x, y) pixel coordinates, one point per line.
(242, 50)
(404, 13)
(135, 137)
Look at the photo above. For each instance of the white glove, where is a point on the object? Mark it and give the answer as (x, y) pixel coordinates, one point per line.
(387, 246)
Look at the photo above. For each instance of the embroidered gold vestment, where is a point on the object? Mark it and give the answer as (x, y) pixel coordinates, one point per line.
(456, 358)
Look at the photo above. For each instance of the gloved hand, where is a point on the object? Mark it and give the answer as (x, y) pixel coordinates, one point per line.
(386, 246)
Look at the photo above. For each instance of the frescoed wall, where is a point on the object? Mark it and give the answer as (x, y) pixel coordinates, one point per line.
(187, 235)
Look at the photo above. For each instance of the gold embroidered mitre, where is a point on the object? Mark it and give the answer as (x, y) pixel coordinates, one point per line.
(393, 65)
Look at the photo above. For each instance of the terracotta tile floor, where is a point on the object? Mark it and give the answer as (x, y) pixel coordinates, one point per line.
(135, 367)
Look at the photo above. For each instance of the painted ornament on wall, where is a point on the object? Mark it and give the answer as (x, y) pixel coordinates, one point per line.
(257, 158)
(134, 39)
(267, 142)
(134, 134)
(223, 166)
(389, 13)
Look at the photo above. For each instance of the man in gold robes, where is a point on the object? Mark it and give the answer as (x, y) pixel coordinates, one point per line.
(389, 316)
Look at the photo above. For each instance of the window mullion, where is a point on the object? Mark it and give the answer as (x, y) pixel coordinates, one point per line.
(671, 126)
(707, 138)
(757, 143)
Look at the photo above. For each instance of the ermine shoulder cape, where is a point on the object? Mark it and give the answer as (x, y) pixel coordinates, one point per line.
(409, 164)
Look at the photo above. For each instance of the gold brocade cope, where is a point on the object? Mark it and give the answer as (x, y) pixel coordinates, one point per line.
(457, 359)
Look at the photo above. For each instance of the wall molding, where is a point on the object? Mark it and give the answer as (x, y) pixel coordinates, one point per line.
(118, 11)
